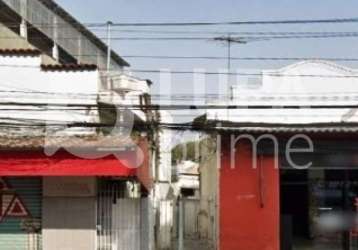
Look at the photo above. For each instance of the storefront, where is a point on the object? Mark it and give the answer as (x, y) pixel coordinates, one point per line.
(68, 202)
(308, 201)
(319, 204)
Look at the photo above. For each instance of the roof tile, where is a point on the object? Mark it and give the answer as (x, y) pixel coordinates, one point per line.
(19, 52)
(68, 67)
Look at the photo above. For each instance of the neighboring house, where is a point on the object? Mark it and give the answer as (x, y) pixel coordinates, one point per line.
(311, 101)
(187, 184)
(69, 181)
(195, 194)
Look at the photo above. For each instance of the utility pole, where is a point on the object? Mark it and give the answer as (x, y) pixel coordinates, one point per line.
(109, 50)
(109, 26)
(229, 40)
(229, 53)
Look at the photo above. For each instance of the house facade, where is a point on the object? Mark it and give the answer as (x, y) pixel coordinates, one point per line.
(76, 168)
(287, 163)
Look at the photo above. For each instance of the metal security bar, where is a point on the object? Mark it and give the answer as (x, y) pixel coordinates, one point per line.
(121, 222)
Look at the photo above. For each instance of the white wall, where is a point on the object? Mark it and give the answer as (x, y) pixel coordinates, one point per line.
(303, 84)
(310, 77)
(23, 81)
(25, 74)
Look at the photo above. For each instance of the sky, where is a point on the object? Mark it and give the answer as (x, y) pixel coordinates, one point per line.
(118, 11)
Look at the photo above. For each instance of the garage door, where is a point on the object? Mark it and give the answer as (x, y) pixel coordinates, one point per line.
(20, 213)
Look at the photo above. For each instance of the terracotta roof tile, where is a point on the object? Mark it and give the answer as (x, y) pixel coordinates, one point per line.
(69, 67)
(78, 142)
(20, 52)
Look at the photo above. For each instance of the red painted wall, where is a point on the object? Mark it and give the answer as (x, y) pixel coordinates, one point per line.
(144, 172)
(244, 224)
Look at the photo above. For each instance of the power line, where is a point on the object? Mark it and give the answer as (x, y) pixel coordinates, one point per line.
(164, 57)
(122, 38)
(241, 73)
(180, 106)
(241, 58)
(113, 76)
(219, 23)
(257, 22)
(201, 32)
(178, 96)
(193, 38)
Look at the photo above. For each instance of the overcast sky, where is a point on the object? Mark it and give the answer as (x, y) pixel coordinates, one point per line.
(224, 10)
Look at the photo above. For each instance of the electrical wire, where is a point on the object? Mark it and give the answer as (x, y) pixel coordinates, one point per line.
(240, 58)
(243, 38)
(220, 23)
(241, 73)
(178, 106)
(166, 71)
(201, 32)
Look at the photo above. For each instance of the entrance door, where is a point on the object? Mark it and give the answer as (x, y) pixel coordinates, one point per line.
(122, 223)
(318, 209)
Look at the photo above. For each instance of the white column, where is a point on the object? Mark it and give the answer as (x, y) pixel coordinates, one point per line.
(80, 57)
(55, 52)
(23, 29)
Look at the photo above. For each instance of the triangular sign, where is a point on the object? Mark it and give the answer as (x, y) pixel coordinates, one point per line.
(5, 203)
(3, 185)
(17, 209)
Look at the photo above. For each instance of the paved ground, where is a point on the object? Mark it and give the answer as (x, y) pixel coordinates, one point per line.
(311, 245)
(194, 245)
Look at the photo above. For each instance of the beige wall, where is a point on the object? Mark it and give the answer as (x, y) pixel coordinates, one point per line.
(208, 215)
(69, 218)
(14, 41)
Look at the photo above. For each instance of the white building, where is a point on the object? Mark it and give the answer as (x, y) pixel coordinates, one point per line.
(314, 100)
(58, 103)
(287, 94)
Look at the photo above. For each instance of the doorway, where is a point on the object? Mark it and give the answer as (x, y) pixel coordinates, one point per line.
(318, 209)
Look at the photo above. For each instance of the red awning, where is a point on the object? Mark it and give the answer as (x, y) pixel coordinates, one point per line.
(29, 163)
(32, 161)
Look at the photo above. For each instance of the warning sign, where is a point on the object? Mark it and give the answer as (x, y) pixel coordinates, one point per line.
(10, 203)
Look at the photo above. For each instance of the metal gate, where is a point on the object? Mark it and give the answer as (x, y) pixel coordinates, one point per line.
(20, 221)
(122, 223)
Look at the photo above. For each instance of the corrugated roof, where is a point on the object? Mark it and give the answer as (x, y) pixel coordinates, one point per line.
(52, 5)
(48, 67)
(292, 129)
(201, 123)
